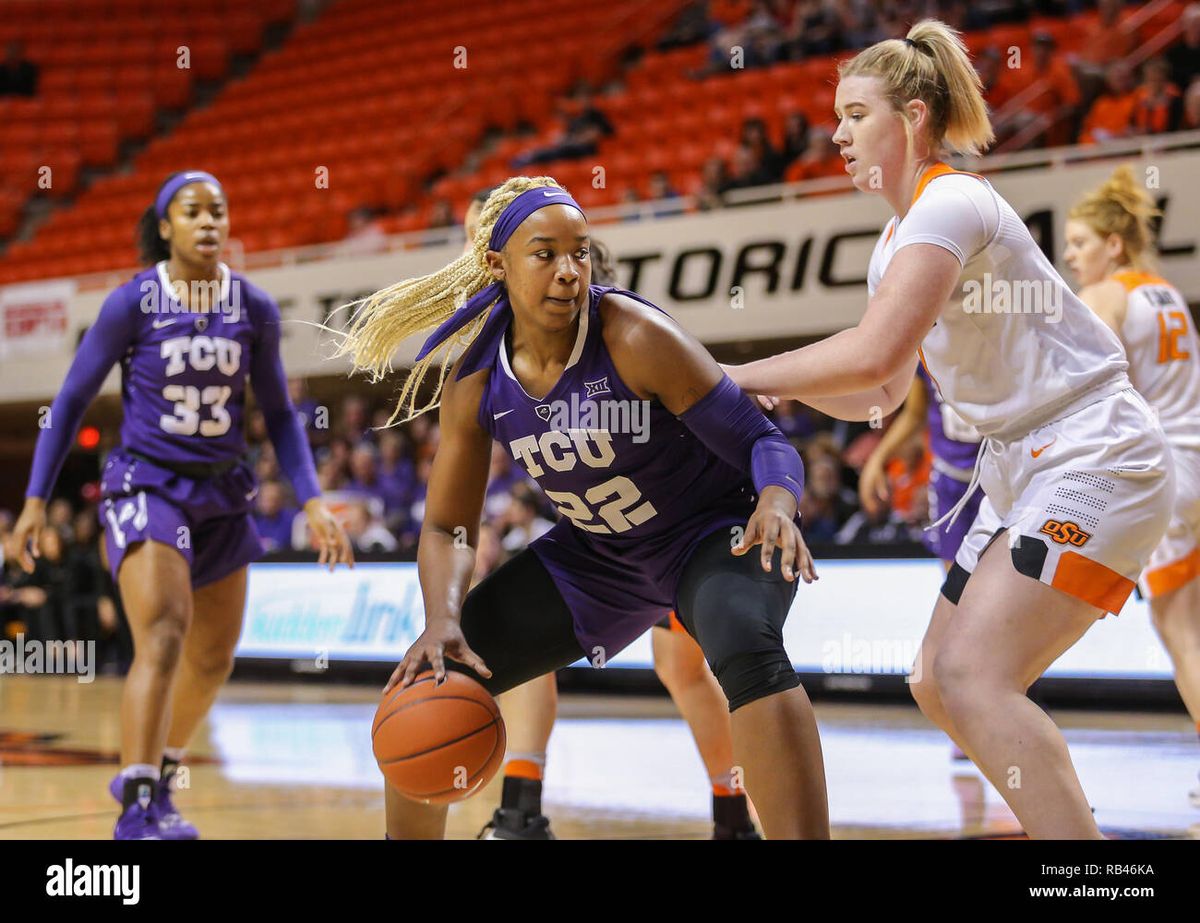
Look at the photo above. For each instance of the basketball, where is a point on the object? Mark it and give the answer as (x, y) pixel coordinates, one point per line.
(438, 743)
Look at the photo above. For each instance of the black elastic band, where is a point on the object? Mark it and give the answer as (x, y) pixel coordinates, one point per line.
(197, 471)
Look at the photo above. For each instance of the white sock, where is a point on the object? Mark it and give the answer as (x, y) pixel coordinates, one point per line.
(140, 771)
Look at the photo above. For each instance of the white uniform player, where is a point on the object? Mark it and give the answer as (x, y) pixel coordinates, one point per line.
(1164, 363)
(1065, 460)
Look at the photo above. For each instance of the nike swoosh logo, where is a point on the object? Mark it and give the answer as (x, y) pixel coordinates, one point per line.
(159, 324)
(550, 195)
(497, 416)
(1036, 452)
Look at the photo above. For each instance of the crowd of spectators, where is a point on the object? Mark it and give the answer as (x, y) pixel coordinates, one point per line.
(1040, 96)
(69, 596)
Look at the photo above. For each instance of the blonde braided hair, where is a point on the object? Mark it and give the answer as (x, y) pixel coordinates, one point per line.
(381, 321)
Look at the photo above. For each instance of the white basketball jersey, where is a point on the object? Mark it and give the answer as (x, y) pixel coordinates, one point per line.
(1013, 347)
(1164, 353)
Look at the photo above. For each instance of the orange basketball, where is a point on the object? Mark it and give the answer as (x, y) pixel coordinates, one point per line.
(438, 744)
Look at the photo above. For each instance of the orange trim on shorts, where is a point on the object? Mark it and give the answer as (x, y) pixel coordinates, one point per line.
(1131, 279)
(675, 624)
(1091, 581)
(1174, 575)
(523, 769)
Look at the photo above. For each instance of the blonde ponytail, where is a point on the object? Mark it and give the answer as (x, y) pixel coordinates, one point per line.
(1121, 206)
(382, 321)
(931, 64)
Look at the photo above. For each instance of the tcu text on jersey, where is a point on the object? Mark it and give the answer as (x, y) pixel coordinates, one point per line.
(617, 501)
(200, 353)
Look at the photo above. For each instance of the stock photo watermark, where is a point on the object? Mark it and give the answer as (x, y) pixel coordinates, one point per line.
(29, 656)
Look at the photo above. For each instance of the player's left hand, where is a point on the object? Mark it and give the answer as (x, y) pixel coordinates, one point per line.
(328, 535)
(773, 525)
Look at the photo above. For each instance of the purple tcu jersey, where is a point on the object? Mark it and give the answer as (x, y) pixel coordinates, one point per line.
(637, 490)
(951, 439)
(183, 377)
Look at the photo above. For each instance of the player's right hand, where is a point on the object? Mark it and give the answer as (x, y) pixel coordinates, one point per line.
(27, 533)
(441, 638)
(873, 486)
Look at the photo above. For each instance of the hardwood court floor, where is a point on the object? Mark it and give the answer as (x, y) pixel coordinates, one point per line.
(293, 761)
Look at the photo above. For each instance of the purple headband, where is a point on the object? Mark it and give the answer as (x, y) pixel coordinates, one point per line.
(510, 219)
(175, 183)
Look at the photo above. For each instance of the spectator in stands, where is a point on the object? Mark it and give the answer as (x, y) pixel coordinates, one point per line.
(366, 532)
(501, 478)
(792, 419)
(273, 516)
(1184, 57)
(364, 233)
(748, 171)
(18, 75)
(396, 477)
(629, 196)
(795, 138)
(727, 45)
(88, 580)
(416, 508)
(421, 432)
(661, 192)
(352, 422)
(826, 504)
(1157, 101)
(524, 520)
(691, 27)
(580, 138)
(1190, 118)
(266, 468)
(6, 522)
(45, 592)
(864, 23)
(488, 553)
(329, 472)
(713, 177)
(471, 219)
(821, 158)
(1106, 41)
(1112, 113)
(59, 516)
(306, 407)
(988, 64)
(364, 474)
(754, 137)
(1056, 104)
(442, 215)
(884, 526)
(816, 29)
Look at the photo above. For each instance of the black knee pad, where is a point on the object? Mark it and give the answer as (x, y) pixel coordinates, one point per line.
(735, 610)
(755, 675)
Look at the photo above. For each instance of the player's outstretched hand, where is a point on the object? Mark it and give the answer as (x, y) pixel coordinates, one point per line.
(773, 525)
(328, 534)
(27, 533)
(767, 402)
(441, 638)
